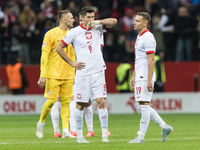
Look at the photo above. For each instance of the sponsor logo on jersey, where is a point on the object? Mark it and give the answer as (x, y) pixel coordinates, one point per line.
(88, 35)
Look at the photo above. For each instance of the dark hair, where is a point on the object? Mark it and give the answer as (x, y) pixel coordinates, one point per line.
(79, 14)
(87, 9)
(61, 13)
(145, 16)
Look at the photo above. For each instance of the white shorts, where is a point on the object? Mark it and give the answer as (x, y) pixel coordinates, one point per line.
(141, 91)
(90, 87)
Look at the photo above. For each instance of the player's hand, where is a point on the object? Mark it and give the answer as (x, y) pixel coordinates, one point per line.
(150, 86)
(95, 22)
(132, 83)
(88, 25)
(41, 82)
(78, 65)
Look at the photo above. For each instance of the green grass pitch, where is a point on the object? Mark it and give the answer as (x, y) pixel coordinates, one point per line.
(18, 133)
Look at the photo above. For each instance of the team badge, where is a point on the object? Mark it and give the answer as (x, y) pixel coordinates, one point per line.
(78, 96)
(88, 35)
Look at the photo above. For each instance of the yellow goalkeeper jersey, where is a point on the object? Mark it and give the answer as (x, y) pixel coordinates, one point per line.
(52, 65)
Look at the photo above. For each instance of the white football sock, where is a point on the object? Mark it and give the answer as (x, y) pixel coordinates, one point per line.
(55, 111)
(89, 117)
(156, 118)
(145, 119)
(79, 122)
(103, 116)
(66, 130)
(72, 107)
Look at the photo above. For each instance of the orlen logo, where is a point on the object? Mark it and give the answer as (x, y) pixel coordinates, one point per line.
(167, 104)
(159, 104)
(24, 106)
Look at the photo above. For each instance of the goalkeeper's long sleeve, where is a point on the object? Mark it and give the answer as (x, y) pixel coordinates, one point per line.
(43, 63)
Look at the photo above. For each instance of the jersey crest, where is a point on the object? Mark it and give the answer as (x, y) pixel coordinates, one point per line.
(88, 35)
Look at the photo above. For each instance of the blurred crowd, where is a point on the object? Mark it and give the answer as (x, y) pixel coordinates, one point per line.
(175, 24)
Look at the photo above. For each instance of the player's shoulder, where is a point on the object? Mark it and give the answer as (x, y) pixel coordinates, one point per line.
(52, 31)
(148, 35)
(75, 29)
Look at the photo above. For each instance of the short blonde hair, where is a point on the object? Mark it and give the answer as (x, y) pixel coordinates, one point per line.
(61, 13)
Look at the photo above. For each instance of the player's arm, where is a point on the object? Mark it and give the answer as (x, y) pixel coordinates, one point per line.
(63, 55)
(108, 22)
(133, 80)
(43, 63)
(46, 49)
(150, 71)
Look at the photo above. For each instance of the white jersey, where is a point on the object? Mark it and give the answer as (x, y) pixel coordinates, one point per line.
(145, 44)
(87, 47)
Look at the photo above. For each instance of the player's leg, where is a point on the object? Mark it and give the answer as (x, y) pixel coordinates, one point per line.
(51, 92)
(166, 129)
(47, 108)
(81, 96)
(65, 94)
(143, 97)
(45, 111)
(144, 123)
(145, 119)
(100, 93)
(108, 132)
(55, 111)
(103, 116)
(65, 117)
(79, 122)
(88, 112)
(72, 107)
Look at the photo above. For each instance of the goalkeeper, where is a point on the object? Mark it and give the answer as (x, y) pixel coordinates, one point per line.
(55, 74)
